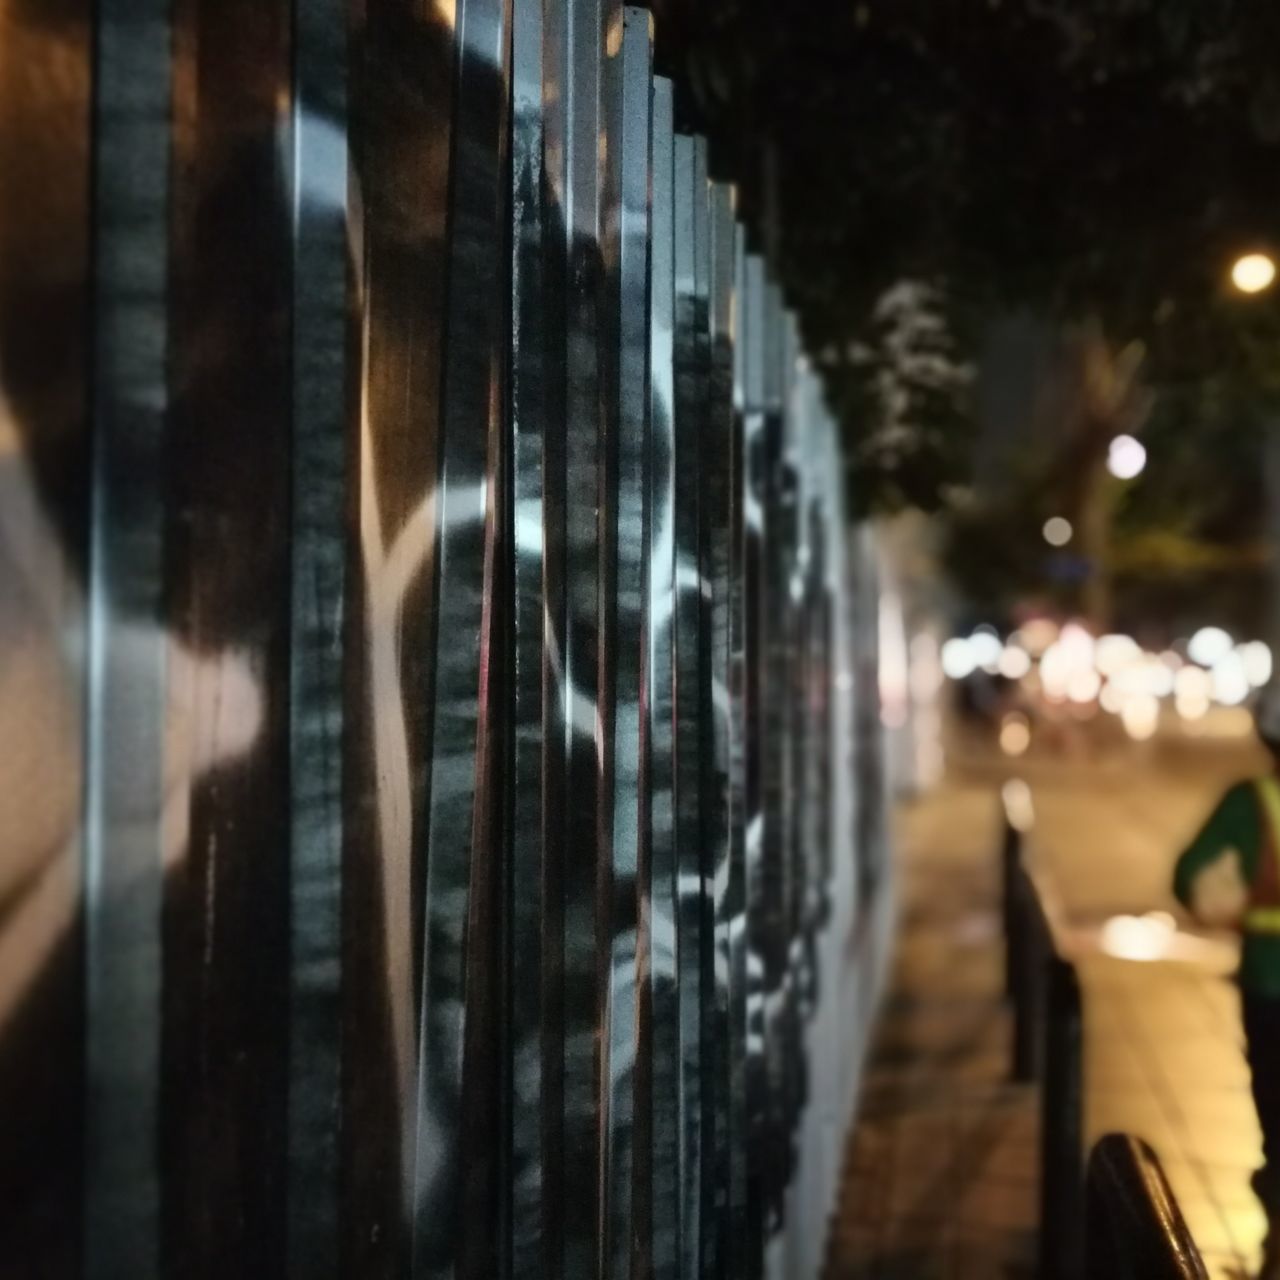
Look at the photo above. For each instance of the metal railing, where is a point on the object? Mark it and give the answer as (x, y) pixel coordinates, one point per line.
(1119, 1220)
(1047, 1047)
(1135, 1229)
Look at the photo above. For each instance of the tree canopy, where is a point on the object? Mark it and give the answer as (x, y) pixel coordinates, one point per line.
(1105, 159)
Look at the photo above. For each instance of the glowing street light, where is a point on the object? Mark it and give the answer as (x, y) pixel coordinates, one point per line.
(1057, 531)
(1126, 458)
(1253, 272)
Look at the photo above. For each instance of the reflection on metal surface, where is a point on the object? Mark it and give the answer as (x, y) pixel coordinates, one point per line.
(660, 1075)
(536, 703)
(130, 762)
(433, 663)
(322, 234)
(694, 939)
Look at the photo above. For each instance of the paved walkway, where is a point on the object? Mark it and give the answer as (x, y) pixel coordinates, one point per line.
(941, 1172)
(942, 1167)
(1164, 1049)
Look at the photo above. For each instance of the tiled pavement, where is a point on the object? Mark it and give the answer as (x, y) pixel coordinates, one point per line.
(941, 1172)
(941, 1176)
(1164, 1050)
(1164, 1059)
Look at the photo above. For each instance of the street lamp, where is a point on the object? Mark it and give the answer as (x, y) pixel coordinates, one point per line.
(1253, 272)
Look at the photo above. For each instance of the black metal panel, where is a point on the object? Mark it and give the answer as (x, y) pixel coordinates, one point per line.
(775, 887)
(225, 1041)
(760, 846)
(666, 1078)
(694, 922)
(625, 1112)
(46, 233)
(322, 228)
(742, 798)
(536, 751)
(402, 89)
(126, 710)
(455, 1179)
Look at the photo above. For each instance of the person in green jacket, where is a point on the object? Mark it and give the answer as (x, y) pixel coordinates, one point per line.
(1230, 876)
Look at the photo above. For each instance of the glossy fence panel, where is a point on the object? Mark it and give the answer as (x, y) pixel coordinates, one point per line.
(752, 685)
(694, 921)
(322, 227)
(722, 760)
(573, 121)
(662, 1077)
(536, 753)
(775, 883)
(47, 234)
(455, 1179)
(624, 1112)
(228, 554)
(126, 707)
(448, 839)
(402, 65)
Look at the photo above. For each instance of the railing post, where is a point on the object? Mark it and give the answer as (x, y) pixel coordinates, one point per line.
(1134, 1227)
(1062, 1125)
(1010, 865)
(1029, 950)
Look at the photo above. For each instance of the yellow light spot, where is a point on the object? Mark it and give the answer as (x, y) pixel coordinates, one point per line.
(1253, 272)
(1015, 735)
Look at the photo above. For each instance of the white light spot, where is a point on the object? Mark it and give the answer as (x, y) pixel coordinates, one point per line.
(1140, 716)
(1256, 656)
(1057, 531)
(1126, 458)
(1230, 684)
(1015, 662)
(1018, 805)
(1253, 272)
(1139, 937)
(957, 659)
(1209, 645)
(1084, 685)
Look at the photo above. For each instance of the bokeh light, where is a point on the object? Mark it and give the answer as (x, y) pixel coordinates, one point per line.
(1015, 662)
(1230, 683)
(985, 648)
(1256, 657)
(1126, 458)
(957, 659)
(1140, 716)
(1057, 531)
(1015, 734)
(1145, 937)
(1253, 272)
(1209, 645)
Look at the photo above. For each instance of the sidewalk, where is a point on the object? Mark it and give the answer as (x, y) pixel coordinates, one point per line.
(941, 1172)
(1164, 1050)
(942, 1169)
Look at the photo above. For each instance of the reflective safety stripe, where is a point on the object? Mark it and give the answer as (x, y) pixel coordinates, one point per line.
(1266, 918)
(1262, 920)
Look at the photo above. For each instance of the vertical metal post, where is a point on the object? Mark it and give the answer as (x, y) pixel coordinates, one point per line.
(693, 940)
(1062, 1128)
(660, 1059)
(623, 557)
(535, 750)
(455, 1180)
(321, 343)
(126, 706)
(229, 560)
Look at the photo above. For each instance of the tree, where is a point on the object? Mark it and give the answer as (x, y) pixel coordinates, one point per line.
(1099, 160)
